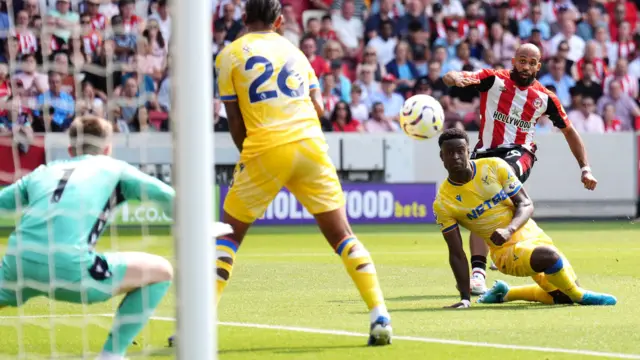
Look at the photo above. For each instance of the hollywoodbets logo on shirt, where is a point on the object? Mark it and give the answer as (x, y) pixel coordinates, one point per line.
(513, 120)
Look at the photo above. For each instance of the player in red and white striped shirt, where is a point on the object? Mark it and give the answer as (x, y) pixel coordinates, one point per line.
(511, 102)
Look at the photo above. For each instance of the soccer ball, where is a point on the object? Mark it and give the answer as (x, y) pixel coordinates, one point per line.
(422, 117)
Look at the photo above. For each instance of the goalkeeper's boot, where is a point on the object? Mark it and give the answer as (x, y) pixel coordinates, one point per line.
(380, 332)
(593, 298)
(172, 341)
(496, 294)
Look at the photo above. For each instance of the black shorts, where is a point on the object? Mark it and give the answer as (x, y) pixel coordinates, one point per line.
(520, 159)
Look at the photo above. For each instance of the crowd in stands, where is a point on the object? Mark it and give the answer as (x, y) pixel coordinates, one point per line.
(63, 58)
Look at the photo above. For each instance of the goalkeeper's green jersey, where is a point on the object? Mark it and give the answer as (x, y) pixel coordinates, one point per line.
(66, 205)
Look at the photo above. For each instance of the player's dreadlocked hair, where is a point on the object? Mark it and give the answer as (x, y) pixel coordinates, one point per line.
(452, 134)
(264, 11)
(89, 135)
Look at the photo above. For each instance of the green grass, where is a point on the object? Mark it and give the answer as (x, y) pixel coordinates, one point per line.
(290, 277)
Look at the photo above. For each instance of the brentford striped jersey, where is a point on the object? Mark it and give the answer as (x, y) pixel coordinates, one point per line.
(508, 112)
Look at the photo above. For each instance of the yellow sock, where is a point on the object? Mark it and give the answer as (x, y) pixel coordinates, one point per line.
(529, 293)
(558, 276)
(226, 249)
(361, 269)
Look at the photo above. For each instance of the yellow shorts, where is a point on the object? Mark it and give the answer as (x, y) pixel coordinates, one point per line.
(303, 167)
(515, 260)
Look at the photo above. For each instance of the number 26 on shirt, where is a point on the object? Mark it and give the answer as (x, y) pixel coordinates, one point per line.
(256, 96)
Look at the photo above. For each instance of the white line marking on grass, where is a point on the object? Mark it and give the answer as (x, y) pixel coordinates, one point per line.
(330, 253)
(363, 335)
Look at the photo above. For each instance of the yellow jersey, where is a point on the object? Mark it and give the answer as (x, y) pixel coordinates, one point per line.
(483, 204)
(270, 78)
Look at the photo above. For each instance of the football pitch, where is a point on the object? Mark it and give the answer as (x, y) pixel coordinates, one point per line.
(290, 298)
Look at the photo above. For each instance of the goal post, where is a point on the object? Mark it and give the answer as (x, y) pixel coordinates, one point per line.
(192, 127)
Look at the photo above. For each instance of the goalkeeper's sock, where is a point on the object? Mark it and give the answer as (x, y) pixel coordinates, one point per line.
(133, 314)
(558, 276)
(226, 249)
(361, 269)
(528, 293)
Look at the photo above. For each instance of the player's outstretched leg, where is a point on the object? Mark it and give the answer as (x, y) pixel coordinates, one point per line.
(501, 292)
(226, 248)
(357, 260)
(547, 260)
(479, 252)
(146, 281)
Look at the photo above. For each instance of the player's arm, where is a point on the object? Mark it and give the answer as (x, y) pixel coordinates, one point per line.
(559, 118)
(314, 91)
(521, 201)
(482, 80)
(14, 196)
(136, 185)
(457, 257)
(224, 66)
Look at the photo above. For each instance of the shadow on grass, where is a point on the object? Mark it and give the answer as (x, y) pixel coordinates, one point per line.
(478, 307)
(290, 350)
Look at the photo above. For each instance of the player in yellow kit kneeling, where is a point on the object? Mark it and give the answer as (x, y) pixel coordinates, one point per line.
(487, 198)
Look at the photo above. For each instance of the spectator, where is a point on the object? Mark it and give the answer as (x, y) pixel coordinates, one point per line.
(503, 44)
(219, 39)
(526, 26)
(54, 108)
(587, 27)
(125, 42)
(391, 100)
(621, 74)
(591, 57)
(32, 81)
(370, 58)
(586, 86)
(91, 39)
(349, 29)
(434, 79)
(473, 20)
(63, 21)
(374, 22)
(162, 19)
(418, 41)
(342, 88)
(611, 121)
(380, 122)
(385, 43)
(313, 31)
(584, 119)
(543, 45)
(560, 80)
(327, 31)
(440, 55)
(359, 109)
(292, 30)
(361, 7)
(475, 42)
(602, 43)
(402, 68)
(89, 102)
(61, 66)
(130, 112)
(415, 14)
(507, 24)
(131, 22)
(26, 39)
(367, 82)
(333, 52)
(159, 44)
(463, 58)
(624, 47)
(149, 64)
(449, 42)
(108, 8)
(465, 100)
(437, 24)
(563, 52)
(568, 33)
(626, 109)
(452, 8)
(232, 26)
(328, 97)
(98, 21)
(319, 64)
(343, 121)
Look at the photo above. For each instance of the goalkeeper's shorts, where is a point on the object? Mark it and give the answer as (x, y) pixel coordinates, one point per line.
(95, 280)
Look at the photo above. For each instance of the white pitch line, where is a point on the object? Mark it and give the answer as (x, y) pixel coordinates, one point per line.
(355, 334)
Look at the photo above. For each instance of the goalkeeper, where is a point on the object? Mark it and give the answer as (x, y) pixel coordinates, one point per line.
(65, 206)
